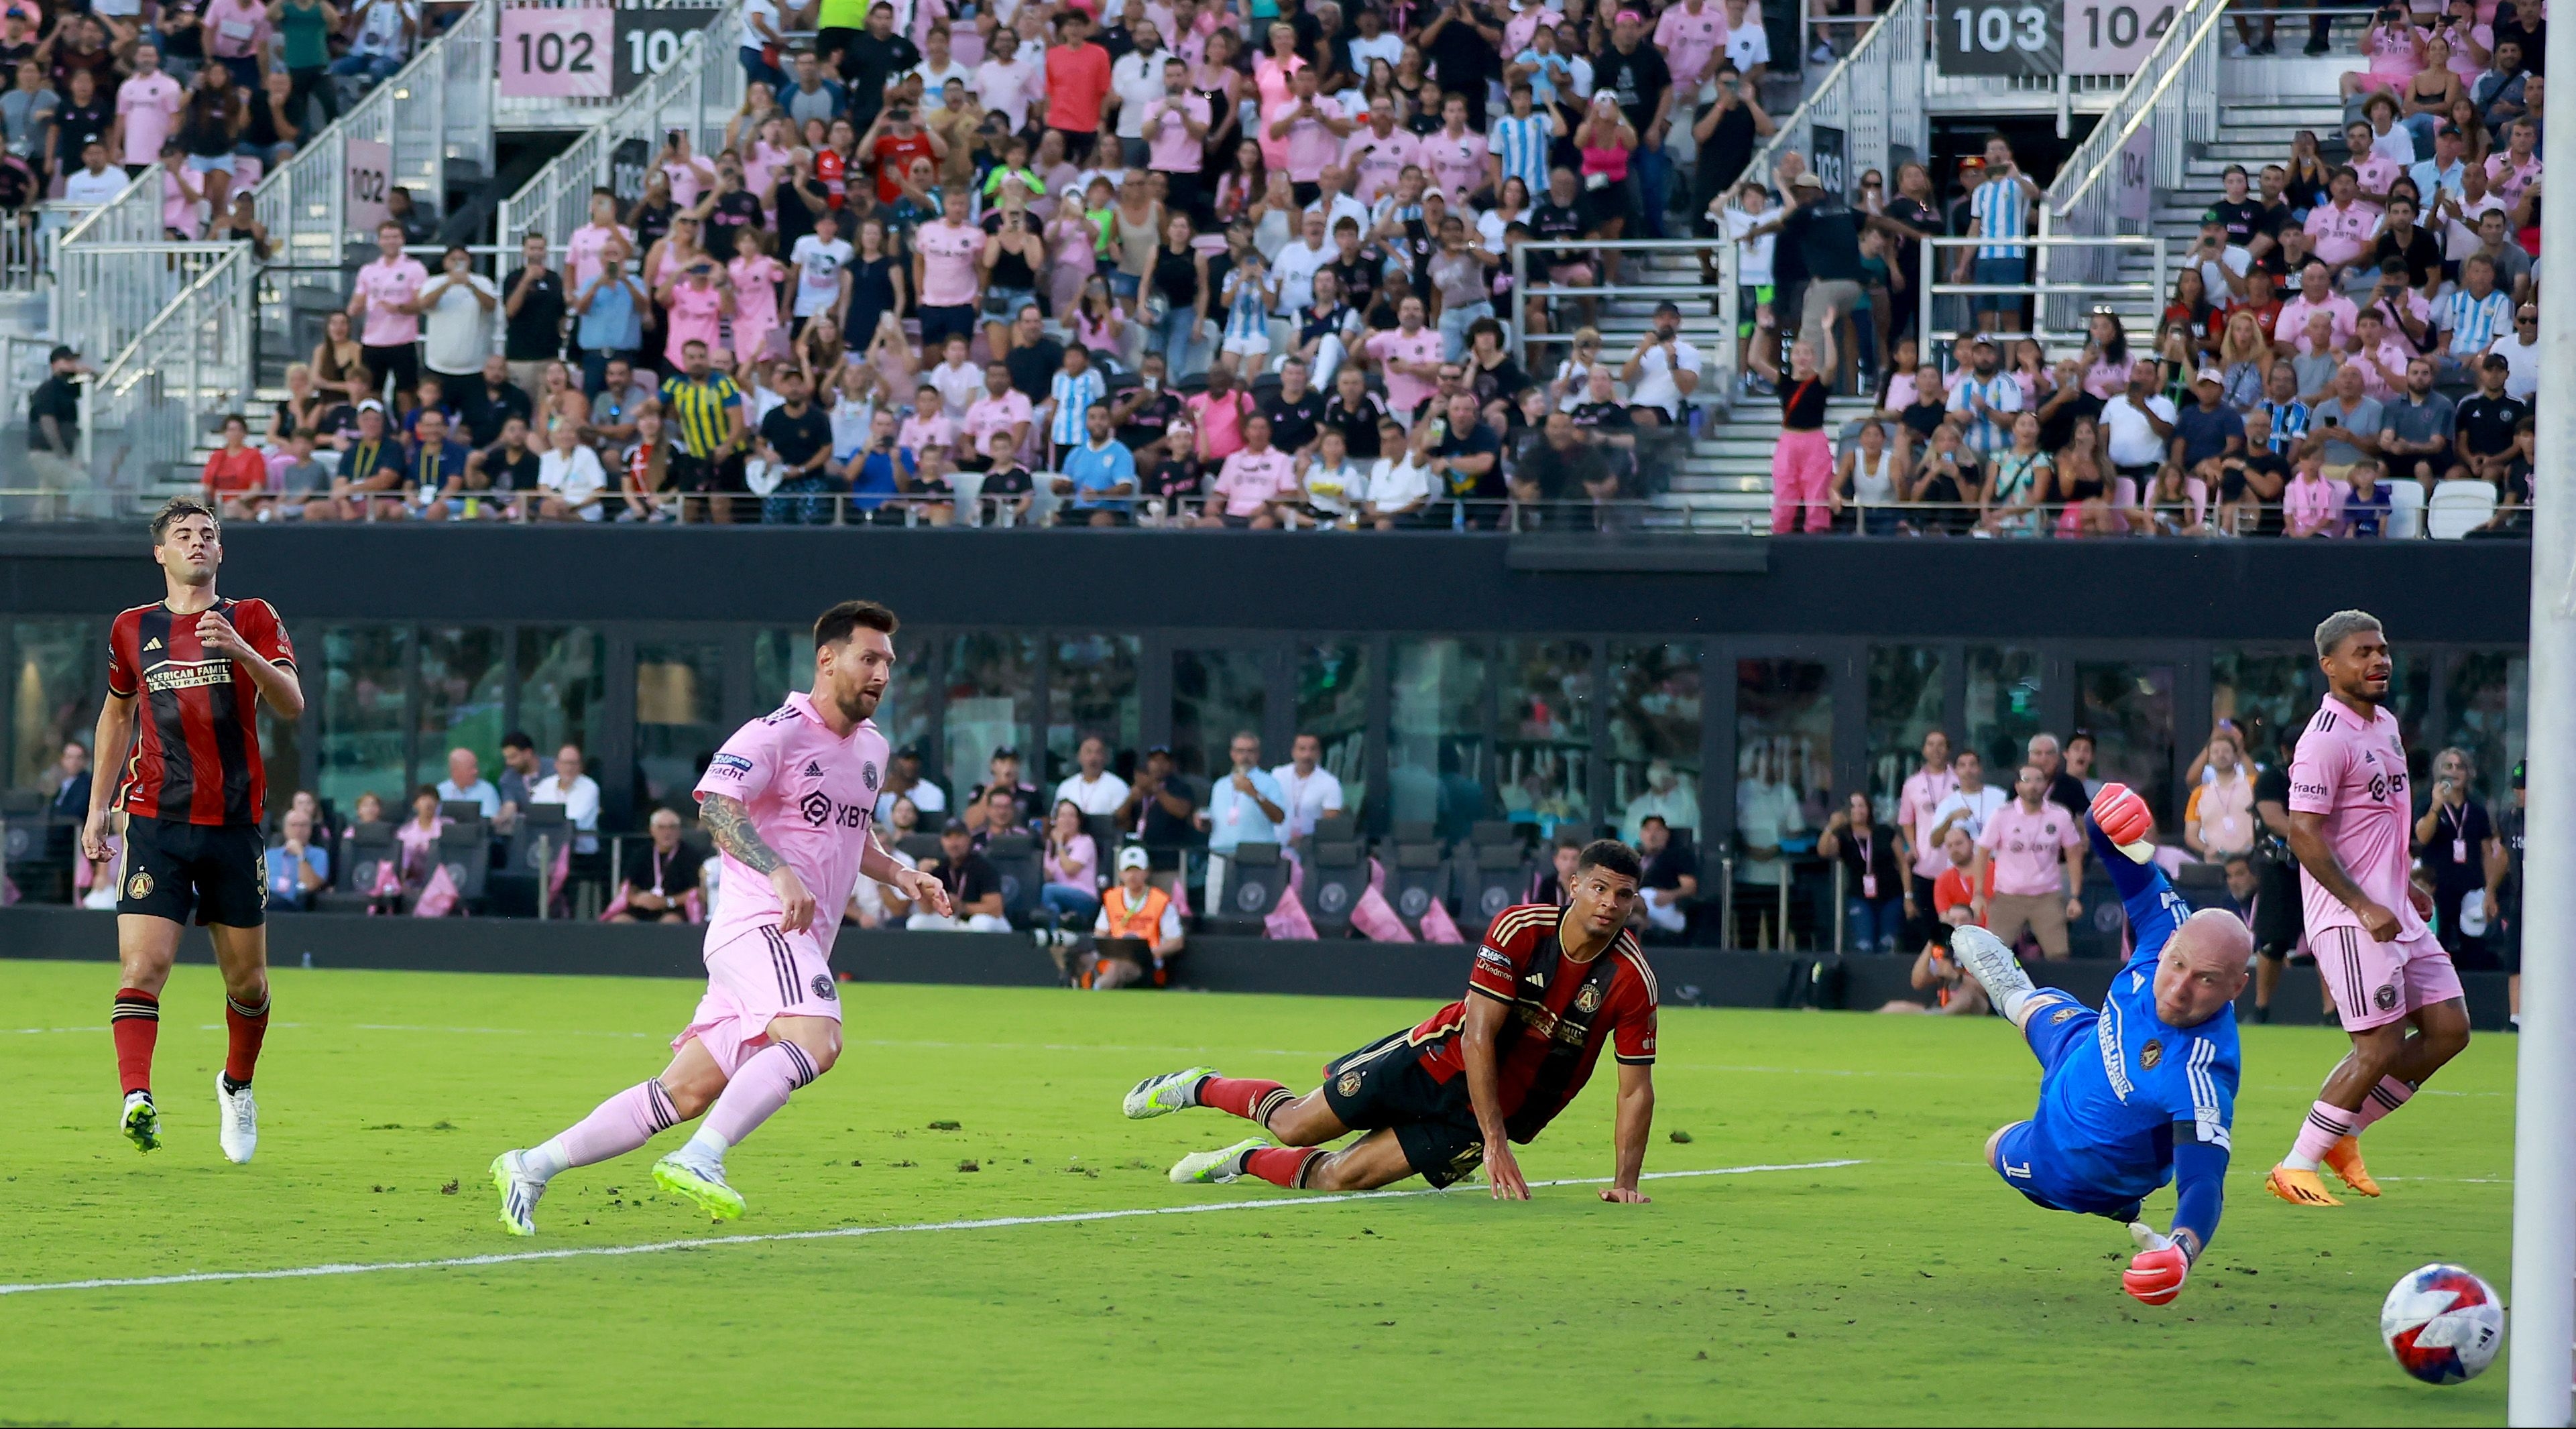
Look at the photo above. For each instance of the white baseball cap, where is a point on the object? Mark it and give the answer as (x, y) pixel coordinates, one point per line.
(1132, 857)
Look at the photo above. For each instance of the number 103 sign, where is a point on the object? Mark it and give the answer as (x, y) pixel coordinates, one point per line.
(2006, 37)
(549, 53)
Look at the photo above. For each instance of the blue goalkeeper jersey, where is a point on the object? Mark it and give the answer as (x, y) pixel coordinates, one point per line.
(2112, 1118)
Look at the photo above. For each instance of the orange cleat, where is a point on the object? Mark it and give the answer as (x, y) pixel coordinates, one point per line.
(2299, 1188)
(2344, 1159)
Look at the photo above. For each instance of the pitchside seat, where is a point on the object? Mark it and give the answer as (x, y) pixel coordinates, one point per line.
(363, 850)
(1336, 876)
(1419, 879)
(539, 822)
(1490, 879)
(918, 846)
(1015, 862)
(1338, 829)
(1255, 877)
(461, 811)
(465, 851)
(1414, 831)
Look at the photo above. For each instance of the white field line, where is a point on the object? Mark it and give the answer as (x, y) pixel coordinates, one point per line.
(1270, 1203)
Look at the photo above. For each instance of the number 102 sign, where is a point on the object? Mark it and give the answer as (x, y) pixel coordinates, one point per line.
(550, 53)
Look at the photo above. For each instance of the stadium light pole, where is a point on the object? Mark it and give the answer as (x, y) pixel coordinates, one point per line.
(2544, 1145)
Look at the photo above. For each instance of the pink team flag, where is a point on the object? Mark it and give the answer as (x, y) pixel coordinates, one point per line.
(1437, 926)
(1374, 916)
(437, 897)
(1287, 918)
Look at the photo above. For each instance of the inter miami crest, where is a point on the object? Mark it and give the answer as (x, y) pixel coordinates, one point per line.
(2386, 997)
(823, 988)
(871, 772)
(2150, 1055)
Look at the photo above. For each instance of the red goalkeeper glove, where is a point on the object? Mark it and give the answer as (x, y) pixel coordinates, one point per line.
(2155, 1275)
(2124, 819)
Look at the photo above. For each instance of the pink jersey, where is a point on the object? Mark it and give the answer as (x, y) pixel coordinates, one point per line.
(1252, 480)
(388, 288)
(755, 301)
(1924, 790)
(811, 796)
(1308, 146)
(1690, 42)
(2029, 850)
(697, 315)
(1169, 147)
(1456, 165)
(1404, 391)
(149, 105)
(2342, 231)
(948, 253)
(582, 259)
(1376, 162)
(2353, 771)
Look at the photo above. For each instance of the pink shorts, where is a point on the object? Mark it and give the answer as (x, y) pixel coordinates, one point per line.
(761, 974)
(2375, 983)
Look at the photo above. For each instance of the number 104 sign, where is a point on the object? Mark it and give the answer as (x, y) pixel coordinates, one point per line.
(549, 53)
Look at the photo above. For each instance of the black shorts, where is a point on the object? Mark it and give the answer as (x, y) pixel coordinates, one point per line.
(2277, 911)
(400, 362)
(938, 324)
(696, 475)
(1077, 144)
(218, 872)
(1384, 1086)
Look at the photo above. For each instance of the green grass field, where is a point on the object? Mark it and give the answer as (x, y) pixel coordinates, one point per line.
(1910, 1287)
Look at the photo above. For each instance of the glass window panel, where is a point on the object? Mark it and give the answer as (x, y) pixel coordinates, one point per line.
(2488, 708)
(53, 701)
(1904, 706)
(1653, 718)
(782, 663)
(1091, 689)
(562, 682)
(2410, 694)
(2266, 697)
(461, 689)
(2003, 708)
(2129, 711)
(1435, 755)
(989, 679)
(1543, 741)
(1332, 705)
(1784, 765)
(363, 672)
(1215, 694)
(679, 708)
(281, 754)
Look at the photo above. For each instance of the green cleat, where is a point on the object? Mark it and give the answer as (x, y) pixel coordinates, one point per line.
(1215, 1168)
(1168, 1093)
(519, 1193)
(703, 1185)
(141, 1122)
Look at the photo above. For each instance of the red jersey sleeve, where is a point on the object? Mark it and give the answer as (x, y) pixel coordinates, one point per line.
(257, 623)
(1505, 953)
(124, 676)
(1632, 1029)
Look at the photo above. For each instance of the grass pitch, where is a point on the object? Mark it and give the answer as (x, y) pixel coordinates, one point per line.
(1913, 1287)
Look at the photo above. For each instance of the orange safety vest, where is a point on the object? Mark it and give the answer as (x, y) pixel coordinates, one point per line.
(1144, 921)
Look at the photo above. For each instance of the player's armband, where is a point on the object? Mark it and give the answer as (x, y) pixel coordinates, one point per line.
(2202, 1130)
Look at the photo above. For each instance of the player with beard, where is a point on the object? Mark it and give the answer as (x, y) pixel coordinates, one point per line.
(790, 800)
(1550, 987)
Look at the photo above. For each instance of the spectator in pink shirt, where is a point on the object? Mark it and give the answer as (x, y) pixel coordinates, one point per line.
(1309, 129)
(2311, 505)
(1003, 409)
(1409, 356)
(147, 109)
(1219, 415)
(2380, 356)
(1258, 482)
(1922, 793)
(2027, 842)
(2343, 226)
(2316, 294)
(237, 34)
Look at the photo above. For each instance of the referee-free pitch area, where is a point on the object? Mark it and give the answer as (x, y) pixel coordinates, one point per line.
(1906, 1285)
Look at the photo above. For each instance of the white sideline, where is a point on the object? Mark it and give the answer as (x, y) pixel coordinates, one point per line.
(308, 1272)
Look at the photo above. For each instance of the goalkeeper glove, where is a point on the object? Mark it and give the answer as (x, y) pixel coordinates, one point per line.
(2155, 1275)
(2123, 818)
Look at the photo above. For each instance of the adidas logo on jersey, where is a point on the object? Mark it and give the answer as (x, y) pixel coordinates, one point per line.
(152, 644)
(813, 769)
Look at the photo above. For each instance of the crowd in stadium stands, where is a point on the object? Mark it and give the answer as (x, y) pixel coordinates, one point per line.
(1161, 264)
(2347, 342)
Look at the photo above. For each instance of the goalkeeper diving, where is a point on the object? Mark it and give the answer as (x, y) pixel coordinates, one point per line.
(2142, 1091)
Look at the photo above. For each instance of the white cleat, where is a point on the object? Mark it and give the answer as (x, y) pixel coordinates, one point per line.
(1168, 1093)
(1989, 962)
(1215, 1168)
(519, 1192)
(236, 1122)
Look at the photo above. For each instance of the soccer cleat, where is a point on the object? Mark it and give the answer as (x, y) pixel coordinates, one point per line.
(141, 1122)
(699, 1183)
(1215, 1168)
(236, 1122)
(2344, 1159)
(1168, 1093)
(519, 1193)
(1989, 962)
(2299, 1188)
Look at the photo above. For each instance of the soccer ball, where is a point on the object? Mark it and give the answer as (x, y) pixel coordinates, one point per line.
(2443, 1324)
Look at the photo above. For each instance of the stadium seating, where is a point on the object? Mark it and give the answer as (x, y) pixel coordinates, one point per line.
(465, 851)
(2457, 508)
(1256, 877)
(1335, 876)
(1015, 862)
(1417, 878)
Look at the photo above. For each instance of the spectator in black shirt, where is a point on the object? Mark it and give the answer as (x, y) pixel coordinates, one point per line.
(2455, 840)
(659, 881)
(1355, 412)
(532, 300)
(871, 60)
(1468, 459)
(1463, 44)
(974, 889)
(1355, 275)
(1668, 880)
(1491, 372)
(797, 439)
(730, 210)
(1143, 413)
(485, 404)
(1161, 806)
(1002, 771)
(1873, 885)
(53, 431)
(2238, 213)
(2485, 423)
(505, 468)
(2400, 239)
(2250, 483)
(1560, 220)
(1034, 358)
(1560, 464)
(1296, 411)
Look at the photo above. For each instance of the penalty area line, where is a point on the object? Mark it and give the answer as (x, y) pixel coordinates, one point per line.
(465, 1262)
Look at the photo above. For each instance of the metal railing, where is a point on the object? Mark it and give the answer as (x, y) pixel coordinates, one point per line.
(2173, 99)
(2056, 294)
(1874, 96)
(1717, 375)
(108, 293)
(192, 358)
(698, 93)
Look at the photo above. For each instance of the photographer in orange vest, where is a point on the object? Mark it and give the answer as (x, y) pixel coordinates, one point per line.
(1134, 908)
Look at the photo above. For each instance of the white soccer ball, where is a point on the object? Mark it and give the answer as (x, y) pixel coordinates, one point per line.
(2442, 1324)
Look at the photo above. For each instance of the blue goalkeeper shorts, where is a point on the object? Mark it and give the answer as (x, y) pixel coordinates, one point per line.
(2026, 1158)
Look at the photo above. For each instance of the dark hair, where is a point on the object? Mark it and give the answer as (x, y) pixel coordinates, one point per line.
(1613, 856)
(178, 509)
(841, 621)
(518, 739)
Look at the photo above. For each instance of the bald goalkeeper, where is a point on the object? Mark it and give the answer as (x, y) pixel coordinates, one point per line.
(2141, 1092)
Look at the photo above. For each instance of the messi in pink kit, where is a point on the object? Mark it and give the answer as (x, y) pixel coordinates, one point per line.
(2392, 984)
(789, 801)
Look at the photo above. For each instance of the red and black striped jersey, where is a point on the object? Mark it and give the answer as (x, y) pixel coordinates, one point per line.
(1563, 1012)
(196, 730)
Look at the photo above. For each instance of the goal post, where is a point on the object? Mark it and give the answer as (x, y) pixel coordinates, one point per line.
(2544, 1145)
